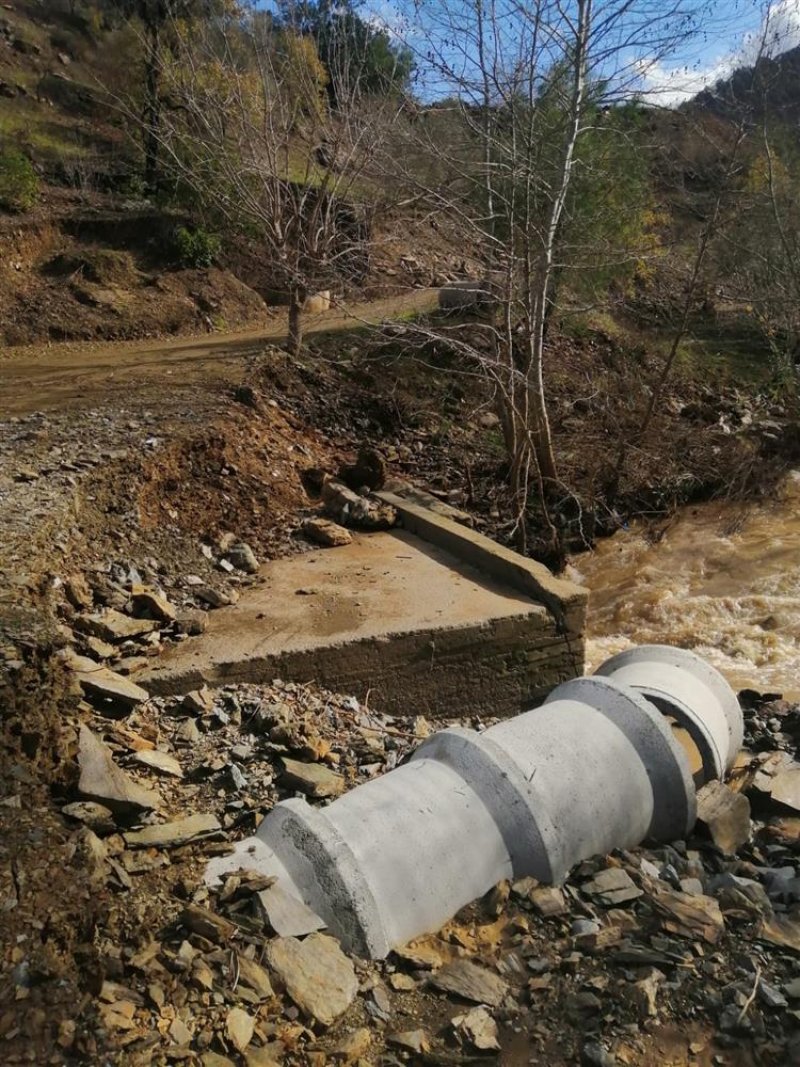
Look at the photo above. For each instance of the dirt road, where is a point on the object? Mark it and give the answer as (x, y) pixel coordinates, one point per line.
(80, 376)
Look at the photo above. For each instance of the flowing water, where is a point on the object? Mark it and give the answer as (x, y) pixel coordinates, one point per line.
(722, 579)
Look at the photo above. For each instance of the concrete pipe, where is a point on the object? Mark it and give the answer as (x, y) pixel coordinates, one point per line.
(690, 691)
(593, 769)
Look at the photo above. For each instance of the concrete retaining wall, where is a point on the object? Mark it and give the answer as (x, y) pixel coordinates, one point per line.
(597, 767)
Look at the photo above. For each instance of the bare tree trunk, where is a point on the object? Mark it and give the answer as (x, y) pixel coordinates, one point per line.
(152, 107)
(297, 299)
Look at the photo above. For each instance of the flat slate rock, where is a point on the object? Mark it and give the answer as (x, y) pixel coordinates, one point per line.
(102, 780)
(173, 834)
(471, 982)
(99, 681)
(612, 886)
(112, 625)
(312, 778)
(160, 761)
(288, 916)
(317, 975)
(725, 815)
(690, 915)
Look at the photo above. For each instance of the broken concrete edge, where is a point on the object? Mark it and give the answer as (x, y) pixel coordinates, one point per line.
(566, 601)
(412, 494)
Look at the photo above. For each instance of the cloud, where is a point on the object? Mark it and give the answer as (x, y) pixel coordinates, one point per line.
(669, 85)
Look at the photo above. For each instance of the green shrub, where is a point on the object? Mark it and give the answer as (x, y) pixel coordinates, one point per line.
(19, 186)
(196, 248)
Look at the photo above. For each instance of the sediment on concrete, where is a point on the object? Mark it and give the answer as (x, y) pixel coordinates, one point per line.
(428, 623)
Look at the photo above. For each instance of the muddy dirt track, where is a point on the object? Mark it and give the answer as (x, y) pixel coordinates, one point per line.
(78, 376)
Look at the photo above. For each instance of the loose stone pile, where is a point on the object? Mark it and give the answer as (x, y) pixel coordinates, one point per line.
(702, 935)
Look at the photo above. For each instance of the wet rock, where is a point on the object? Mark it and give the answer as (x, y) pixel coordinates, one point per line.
(312, 778)
(325, 532)
(102, 780)
(471, 982)
(479, 1029)
(286, 915)
(612, 887)
(317, 975)
(174, 834)
(243, 557)
(725, 815)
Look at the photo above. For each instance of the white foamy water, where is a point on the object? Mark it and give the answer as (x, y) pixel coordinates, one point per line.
(723, 580)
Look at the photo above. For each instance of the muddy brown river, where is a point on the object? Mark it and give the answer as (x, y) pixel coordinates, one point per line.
(723, 579)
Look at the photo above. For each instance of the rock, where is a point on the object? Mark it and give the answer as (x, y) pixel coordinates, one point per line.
(644, 994)
(770, 996)
(594, 1055)
(780, 930)
(148, 604)
(188, 733)
(105, 684)
(102, 780)
(415, 1041)
(354, 1046)
(160, 761)
(271, 1055)
(215, 598)
(402, 983)
(792, 989)
(192, 623)
(317, 975)
(612, 887)
(325, 532)
(479, 1028)
(96, 816)
(199, 701)
(786, 788)
(207, 923)
(548, 901)
(243, 557)
(471, 982)
(725, 815)
(111, 625)
(312, 778)
(173, 834)
(78, 593)
(254, 976)
(286, 915)
(690, 916)
(239, 1026)
(214, 1059)
(368, 472)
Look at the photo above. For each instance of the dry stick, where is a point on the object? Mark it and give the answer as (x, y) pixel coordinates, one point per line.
(752, 997)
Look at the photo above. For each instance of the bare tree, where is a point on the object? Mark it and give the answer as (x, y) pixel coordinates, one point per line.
(526, 81)
(246, 126)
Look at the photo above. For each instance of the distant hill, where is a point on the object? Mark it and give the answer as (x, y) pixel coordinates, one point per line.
(772, 84)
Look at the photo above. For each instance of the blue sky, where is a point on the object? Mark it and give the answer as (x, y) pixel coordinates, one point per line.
(729, 34)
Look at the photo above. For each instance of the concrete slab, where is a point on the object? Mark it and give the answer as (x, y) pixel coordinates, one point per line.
(392, 614)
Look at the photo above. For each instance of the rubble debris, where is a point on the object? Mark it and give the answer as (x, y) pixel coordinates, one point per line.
(102, 780)
(326, 532)
(471, 982)
(313, 779)
(174, 834)
(725, 814)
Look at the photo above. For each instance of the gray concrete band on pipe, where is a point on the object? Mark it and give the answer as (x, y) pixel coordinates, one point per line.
(595, 768)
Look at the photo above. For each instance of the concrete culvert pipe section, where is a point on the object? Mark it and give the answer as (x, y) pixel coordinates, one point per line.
(596, 767)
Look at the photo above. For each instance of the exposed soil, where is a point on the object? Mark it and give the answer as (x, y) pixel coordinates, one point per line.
(136, 461)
